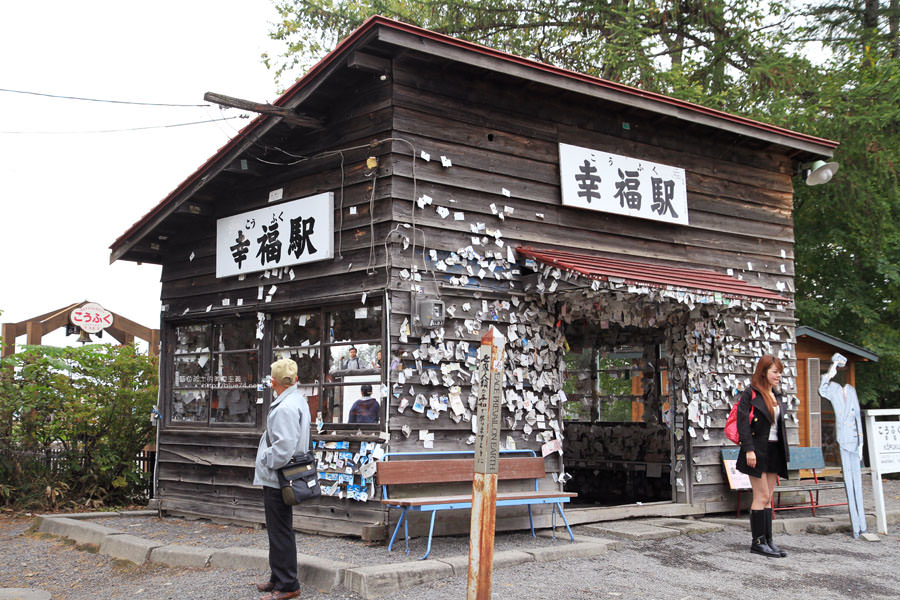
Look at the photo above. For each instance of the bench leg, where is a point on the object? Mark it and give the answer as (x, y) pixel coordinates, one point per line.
(563, 515)
(531, 521)
(397, 530)
(430, 532)
(813, 503)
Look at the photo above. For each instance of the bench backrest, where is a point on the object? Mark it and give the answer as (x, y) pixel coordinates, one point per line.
(454, 470)
(801, 457)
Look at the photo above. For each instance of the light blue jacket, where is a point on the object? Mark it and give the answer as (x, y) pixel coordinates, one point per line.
(286, 435)
(847, 420)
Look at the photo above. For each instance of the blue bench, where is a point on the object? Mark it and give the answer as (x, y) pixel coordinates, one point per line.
(802, 458)
(400, 469)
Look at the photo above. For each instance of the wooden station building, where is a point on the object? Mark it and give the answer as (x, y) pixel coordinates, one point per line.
(413, 189)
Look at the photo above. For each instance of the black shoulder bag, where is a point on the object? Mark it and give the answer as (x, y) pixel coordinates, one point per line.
(299, 479)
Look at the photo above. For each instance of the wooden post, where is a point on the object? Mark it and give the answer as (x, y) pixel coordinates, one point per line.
(487, 459)
(9, 339)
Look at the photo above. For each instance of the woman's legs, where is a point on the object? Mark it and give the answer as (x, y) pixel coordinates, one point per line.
(762, 491)
(772, 479)
(761, 499)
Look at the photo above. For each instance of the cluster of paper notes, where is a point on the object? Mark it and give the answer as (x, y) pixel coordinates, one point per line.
(344, 473)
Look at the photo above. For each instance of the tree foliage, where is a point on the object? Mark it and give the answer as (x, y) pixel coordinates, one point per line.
(829, 68)
(72, 422)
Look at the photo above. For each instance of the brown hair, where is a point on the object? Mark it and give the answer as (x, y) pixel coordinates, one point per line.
(760, 382)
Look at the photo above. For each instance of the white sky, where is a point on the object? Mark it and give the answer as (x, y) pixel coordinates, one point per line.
(65, 198)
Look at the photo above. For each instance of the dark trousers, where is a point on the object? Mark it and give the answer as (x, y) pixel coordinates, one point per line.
(282, 544)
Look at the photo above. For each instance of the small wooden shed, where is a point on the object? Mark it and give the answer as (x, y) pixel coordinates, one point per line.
(413, 189)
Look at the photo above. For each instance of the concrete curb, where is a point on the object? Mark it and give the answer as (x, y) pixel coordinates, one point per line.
(323, 574)
(181, 556)
(632, 530)
(381, 580)
(23, 594)
(77, 531)
(240, 558)
(128, 547)
(686, 526)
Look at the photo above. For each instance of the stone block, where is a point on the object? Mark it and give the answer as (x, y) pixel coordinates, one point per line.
(181, 556)
(128, 547)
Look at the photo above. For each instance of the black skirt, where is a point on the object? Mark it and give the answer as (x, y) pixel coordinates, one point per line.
(775, 459)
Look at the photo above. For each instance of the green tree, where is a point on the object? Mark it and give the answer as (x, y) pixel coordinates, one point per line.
(700, 47)
(78, 417)
(848, 232)
(750, 57)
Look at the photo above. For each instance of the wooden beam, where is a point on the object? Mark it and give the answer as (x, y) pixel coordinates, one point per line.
(286, 114)
(33, 333)
(369, 62)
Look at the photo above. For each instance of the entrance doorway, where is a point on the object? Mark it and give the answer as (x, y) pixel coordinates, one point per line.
(618, 423)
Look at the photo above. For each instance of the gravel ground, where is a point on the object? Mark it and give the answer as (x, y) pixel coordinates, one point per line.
(713, 565)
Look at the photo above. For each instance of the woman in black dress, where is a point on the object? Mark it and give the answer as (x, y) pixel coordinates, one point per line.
(764, 451)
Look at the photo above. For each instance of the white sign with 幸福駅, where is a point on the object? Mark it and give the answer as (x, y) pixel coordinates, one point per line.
(622, 185)
(279, 235)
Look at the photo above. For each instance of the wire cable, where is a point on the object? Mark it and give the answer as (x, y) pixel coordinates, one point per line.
(100, 100)
(118, 130)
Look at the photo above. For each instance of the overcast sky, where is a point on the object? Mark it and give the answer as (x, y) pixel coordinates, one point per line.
(65, 197)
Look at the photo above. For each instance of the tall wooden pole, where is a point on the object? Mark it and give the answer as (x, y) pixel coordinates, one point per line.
(487, 459)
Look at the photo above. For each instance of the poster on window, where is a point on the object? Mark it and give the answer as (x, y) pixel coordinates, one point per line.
(612, 183)
(280, 235)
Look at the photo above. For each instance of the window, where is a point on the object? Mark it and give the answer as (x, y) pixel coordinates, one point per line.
(216, 373)
(338, 351)
(339, 362)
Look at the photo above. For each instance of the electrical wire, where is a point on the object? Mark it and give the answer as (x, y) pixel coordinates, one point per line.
(118, 130)
(301, 159)
(100, 100)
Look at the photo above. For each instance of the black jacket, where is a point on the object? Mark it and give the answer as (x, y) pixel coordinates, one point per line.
(755, 434)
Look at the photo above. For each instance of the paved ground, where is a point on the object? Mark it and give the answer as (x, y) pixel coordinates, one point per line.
(682, 564)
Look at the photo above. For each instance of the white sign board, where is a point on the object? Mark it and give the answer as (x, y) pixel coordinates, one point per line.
(622, 185)
(91, 317)
(883, 436)
(280, 235)
(886, 435)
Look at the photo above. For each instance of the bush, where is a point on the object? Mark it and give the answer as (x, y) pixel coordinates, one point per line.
(72, 423)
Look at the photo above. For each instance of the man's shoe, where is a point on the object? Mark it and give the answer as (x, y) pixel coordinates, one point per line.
(276, 595)
(267, 586)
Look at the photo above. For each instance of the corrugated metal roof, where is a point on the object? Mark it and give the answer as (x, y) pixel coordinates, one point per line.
(655, 275)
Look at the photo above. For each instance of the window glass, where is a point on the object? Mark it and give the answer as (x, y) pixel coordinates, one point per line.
(218, 384)
(352, 358)
(235, 334)
(353, 403)
(297, 330)
(358, 323)
(192, 338)
(190, 406)
(233, 406)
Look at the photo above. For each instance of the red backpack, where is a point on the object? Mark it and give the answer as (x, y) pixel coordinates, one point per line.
(731, 430)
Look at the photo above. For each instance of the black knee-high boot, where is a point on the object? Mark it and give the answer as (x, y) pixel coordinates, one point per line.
(758, 530)
(769, 541)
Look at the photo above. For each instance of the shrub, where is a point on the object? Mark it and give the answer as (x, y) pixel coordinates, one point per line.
(72, 423)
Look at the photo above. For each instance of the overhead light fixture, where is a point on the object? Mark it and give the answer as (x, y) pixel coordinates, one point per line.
(819, 172)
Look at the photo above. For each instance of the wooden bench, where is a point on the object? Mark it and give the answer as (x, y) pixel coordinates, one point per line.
(802, 458)
(399, 469)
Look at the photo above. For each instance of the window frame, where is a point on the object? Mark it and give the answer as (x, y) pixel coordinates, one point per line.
(210, 387)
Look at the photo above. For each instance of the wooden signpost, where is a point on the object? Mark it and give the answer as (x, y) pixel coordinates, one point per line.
(487, 458)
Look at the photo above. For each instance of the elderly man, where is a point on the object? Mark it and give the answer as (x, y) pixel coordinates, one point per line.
(287, 433)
